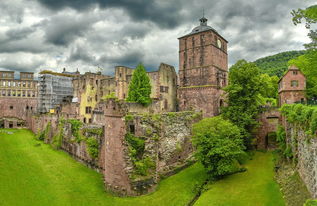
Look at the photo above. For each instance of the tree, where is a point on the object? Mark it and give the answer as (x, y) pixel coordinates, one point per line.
(218, 145)
(308, 65)
(310, 16)
(140, 87)
(244, 97)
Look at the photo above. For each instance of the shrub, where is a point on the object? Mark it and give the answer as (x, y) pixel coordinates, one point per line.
(219, 145)
(310, 203)
(92, 147)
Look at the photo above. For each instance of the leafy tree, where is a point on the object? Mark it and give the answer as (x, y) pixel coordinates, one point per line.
(140, 87)
(308, 65)
(219, 145)
(310, 16)
(269, 91)
(243, 97)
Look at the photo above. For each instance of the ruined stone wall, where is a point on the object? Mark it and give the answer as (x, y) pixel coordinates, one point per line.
(17, 107)
(76, 147)
(305, 151)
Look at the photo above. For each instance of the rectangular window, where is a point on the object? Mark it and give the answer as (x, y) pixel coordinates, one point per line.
(294, 83)
(294, 72)
(88, 110)
(11, 107)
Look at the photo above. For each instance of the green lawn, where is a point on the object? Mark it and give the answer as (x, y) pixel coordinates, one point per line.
(31, 173)
(255, 187)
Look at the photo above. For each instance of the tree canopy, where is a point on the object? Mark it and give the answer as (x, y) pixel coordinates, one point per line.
(310, 16)
(140, 87)
(219, 144)
(244, 94)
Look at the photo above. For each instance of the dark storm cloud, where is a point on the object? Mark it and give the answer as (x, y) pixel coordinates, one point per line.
(165, 14)
(130, 59)
(63, 29)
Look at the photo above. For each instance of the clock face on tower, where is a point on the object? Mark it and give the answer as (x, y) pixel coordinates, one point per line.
(219, 43)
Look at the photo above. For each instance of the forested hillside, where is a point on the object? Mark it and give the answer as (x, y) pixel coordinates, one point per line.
(277, 64)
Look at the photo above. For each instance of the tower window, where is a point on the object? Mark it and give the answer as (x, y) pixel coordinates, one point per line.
(294, 72)
(294, 83)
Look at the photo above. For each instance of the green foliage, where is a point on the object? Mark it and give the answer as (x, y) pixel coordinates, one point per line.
(42, 135)
(303, 115)
(57, 138)
(128, 117)
(140, 87)
(112, 95)
(218, 145)
(308, 65)
(311, 203)
(92, 147)
(92, 131)
(75, 127)
(284, 149)
(276, 65)
(136, 146)
(244, 92)
(142, 166)
(310, 16)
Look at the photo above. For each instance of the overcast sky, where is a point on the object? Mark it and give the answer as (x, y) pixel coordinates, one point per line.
(87, 34)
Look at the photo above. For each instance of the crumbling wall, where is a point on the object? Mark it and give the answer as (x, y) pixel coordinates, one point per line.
(167, 146)
(304, 150)
(55, 130)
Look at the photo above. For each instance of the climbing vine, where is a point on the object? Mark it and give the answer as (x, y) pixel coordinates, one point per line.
(57, 139)
(136, 147)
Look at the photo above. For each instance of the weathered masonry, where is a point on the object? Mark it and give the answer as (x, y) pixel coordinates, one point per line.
(18, 98)
(203, 70)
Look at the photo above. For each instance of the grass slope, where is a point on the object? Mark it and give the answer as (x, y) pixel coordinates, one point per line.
(255, 187)
(31, 173)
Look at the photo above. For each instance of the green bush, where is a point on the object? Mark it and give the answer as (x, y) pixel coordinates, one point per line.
(136, 145)
(92, 147)
(219, 145)
(303, 115)
(75, 127)
(311, 203)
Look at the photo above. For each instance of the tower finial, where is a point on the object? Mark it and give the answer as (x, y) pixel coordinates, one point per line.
(203, 12)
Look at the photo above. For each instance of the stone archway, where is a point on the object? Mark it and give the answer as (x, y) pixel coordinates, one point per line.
(268, 120)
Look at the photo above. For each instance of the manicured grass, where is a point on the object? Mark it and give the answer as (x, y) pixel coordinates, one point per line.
(32, 173)
(255, 187)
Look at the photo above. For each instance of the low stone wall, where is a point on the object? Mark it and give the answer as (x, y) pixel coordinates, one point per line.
(77, 148)
(305, 153)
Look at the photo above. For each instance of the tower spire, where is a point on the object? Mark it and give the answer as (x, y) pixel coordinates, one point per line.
(203, 20)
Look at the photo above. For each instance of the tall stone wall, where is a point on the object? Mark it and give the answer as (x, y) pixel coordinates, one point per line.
(305, 151)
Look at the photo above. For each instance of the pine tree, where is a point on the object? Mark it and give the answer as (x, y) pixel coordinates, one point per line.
(140, 87)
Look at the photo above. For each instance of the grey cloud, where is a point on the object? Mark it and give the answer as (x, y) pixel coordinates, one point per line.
(19, 33)
(62, 30)
(166, 14)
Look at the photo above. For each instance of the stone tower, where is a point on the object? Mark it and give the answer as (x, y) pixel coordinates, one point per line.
(203, 70)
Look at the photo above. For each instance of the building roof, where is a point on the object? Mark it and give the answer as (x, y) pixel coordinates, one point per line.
(201, 28)
(290, 68)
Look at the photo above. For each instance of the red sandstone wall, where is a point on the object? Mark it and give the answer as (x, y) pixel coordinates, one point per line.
(115, 175)
(268, 123)
(205, 99)
(22, 107)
